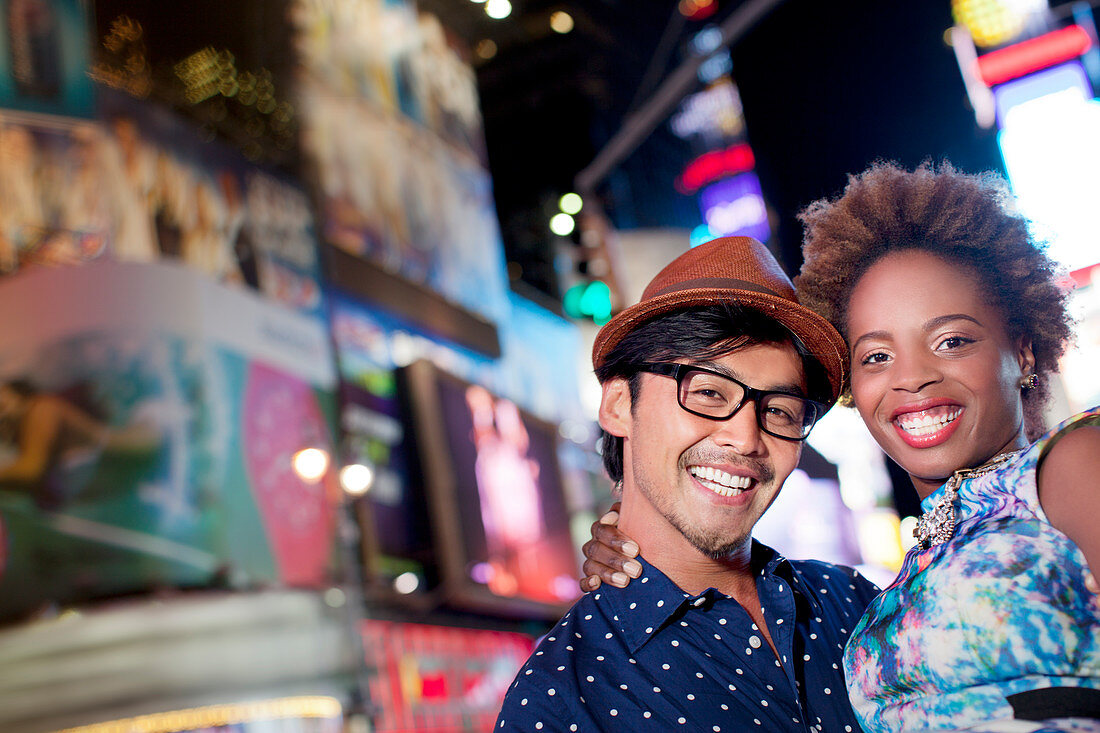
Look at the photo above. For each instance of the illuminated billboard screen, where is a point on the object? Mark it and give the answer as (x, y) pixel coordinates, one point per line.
(439, 678)
(1050, 142)
(496, 497)
(735, 207)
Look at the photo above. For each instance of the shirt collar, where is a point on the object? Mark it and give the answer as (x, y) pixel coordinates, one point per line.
(645, 606)
(771, 562)
(653, 601)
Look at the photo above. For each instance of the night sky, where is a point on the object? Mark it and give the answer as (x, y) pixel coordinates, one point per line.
(827, 88)
(827, 91)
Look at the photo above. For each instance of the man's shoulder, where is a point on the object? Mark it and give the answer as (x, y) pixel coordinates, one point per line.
(588, 624)
(547, 689)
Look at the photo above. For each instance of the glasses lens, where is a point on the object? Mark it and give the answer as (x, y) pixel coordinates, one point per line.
(718, 397)
(787, 415)
(710, 394)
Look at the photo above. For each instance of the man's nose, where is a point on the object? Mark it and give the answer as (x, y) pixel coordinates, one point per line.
(741, 431)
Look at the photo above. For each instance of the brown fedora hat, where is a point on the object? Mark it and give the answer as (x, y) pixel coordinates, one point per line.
(740, 269)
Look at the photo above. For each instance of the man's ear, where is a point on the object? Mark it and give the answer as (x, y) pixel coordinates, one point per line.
(615, 407)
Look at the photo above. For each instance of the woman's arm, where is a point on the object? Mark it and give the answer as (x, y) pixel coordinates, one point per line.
(37, 434)
(609, 555)
(1069, 489)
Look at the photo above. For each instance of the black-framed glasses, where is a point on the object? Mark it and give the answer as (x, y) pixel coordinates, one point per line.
(716, 396)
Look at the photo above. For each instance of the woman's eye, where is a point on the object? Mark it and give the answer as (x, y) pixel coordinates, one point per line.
(876, 358)
(954, 342)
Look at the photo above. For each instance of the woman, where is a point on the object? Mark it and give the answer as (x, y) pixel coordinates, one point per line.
(955, 323)
(56, 444)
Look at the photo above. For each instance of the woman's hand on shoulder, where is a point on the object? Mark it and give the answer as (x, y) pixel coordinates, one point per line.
(609, 555)
(1069, 491)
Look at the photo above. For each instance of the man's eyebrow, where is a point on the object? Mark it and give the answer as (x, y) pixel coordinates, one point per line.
(789, 387)
(795, 389)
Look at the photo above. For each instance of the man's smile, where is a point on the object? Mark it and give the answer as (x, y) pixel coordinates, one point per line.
(719, 481)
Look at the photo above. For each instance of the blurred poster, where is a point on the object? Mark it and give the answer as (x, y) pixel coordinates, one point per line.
(393, 58)
(55, 208)
(809, 518)
(495, 494)
(143, 187)
(370, 344)
(395, 194)
(44, 57)
(391, 130)
(148, 419)
(439, 678)
(542, 351)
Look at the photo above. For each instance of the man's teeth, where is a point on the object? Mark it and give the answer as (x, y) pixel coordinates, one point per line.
(927, 424)
(720, 482)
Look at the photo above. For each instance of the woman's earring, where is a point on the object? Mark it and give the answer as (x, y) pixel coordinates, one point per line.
(1031, 381)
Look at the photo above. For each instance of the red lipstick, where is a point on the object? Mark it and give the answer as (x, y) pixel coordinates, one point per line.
(927, 423)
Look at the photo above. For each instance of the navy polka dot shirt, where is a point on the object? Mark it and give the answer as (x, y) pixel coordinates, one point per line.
(653, 657)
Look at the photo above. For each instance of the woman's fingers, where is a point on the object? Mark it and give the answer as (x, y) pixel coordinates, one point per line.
(607, 564)
(609, 555)
(597, 572)
(611, 547)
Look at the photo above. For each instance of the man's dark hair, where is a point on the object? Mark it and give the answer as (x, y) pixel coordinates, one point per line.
(698, 334)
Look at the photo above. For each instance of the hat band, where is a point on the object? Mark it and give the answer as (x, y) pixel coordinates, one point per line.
(719, 283)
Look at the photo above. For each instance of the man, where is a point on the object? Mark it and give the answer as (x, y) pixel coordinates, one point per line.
(710, 384)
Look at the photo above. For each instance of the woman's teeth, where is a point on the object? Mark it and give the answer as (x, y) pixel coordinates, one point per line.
(720, 482)
(927, 424)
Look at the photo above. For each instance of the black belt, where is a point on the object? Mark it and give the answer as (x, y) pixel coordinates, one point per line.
(1056, 702)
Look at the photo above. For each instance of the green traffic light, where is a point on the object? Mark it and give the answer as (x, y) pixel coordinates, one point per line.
(596, 301)
(588, 300)
(571, 300)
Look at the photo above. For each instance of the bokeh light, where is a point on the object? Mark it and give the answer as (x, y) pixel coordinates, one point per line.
(310, 464)
(498, 9)
(335, 598)
(571, 203)
(562, 224)
(992, 22)
(356, 479)
(406, 583)
(561, 21)
(697, 9)
(486, 49)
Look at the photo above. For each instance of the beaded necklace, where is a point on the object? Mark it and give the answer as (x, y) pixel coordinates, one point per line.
(937, 525)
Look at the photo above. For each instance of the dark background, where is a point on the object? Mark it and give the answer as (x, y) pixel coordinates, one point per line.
(827, 88)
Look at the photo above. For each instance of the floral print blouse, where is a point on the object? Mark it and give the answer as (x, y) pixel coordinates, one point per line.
(999, 609)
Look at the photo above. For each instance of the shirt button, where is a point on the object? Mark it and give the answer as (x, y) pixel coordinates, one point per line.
(699, 601)
(754, 641)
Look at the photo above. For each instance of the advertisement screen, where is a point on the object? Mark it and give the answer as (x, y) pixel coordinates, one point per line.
(148, 423)
(439, 678)
(495, 492)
